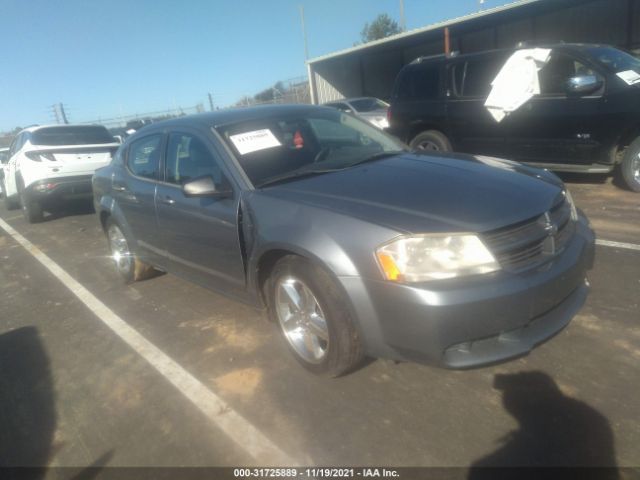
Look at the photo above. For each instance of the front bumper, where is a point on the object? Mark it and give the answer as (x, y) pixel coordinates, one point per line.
(477, 320)
(61, 188)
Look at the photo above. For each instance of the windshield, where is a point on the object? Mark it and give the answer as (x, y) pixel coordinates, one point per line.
(89, 135)
(321, 140)
(368, 104)
(615, 60)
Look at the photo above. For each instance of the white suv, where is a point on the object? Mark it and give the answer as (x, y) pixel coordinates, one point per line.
(52, 164)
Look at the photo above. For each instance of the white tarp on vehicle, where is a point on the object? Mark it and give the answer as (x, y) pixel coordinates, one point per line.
(516, 82)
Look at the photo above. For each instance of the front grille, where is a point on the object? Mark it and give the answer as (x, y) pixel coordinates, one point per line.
(532, 242)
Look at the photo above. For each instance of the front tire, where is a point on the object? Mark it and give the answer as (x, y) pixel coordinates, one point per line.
(630, 167)
(431, 141)
(313, 317)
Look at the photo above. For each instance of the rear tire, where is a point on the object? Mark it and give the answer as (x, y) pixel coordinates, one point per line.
(128, 265)
(630, 167)
(431, 141)
(317, 329)
(31, 209)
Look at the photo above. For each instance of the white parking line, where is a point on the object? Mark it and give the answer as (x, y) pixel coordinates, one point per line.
(240, 430)
(609, 243)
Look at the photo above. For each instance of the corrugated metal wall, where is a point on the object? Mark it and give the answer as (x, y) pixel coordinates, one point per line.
(371, 72)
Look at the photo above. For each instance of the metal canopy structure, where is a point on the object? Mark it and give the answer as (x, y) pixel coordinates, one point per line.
(370, 69)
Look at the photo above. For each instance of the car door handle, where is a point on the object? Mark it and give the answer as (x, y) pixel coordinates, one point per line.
(118, 188)
(168, 201)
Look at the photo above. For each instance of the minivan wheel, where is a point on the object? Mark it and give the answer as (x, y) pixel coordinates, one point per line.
(312, 316)
(431, 141)
(630, 167)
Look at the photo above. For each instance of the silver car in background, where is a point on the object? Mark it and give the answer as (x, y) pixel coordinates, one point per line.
(370, 109)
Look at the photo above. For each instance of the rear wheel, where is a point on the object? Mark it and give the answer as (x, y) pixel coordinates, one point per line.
(630, 167)
(31, 209)
(431, 141)
(312, 315)
(127, 264)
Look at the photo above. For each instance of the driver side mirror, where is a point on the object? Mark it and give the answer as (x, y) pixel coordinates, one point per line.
(205, 187)
(583, 84)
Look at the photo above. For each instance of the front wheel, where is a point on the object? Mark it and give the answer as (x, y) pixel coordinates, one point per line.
(431, 141)
(630, 167)
(313, 317)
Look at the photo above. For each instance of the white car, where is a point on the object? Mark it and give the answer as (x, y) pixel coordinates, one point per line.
(370, 109)
(49, 165)
(4, 159)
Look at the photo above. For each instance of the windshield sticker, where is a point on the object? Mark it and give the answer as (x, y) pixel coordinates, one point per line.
(630, 76)
(253, 141)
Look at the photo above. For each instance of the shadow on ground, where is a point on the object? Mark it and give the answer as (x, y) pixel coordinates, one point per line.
(69, 209)
(553, 430)
(27, 402)
(27, 409)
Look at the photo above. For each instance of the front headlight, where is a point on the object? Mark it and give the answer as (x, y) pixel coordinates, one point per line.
(434, 257)
(574, 211)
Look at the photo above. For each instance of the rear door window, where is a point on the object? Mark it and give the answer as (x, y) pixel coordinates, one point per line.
(144, 157)
(473, 78)
(421, 83)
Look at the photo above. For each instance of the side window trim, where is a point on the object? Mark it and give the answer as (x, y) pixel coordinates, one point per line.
(162, 136)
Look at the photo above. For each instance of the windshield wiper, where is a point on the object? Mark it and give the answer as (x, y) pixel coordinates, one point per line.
(377, 156)
(295, 174)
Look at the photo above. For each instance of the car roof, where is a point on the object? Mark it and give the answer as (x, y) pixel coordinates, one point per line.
(554, 46)
(35, 128)
(232, 115)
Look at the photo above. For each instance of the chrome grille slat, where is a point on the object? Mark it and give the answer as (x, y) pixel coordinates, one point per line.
(523, 246)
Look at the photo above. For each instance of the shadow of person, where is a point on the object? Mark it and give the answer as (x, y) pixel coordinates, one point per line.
(553, 430)
(27, 403)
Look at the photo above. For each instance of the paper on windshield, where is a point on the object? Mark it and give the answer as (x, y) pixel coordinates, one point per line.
(516, 82)
(253, 141)
(630, 76)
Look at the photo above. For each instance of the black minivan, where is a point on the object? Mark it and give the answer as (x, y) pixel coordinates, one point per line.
(585, 119)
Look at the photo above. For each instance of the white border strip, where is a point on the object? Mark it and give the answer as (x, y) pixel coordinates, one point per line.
(240, 430)
(609, 243)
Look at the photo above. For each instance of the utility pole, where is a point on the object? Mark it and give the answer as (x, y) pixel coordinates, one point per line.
(481, 4)
(63, 115)
(403, 23)
(304, 33)
(210, 101)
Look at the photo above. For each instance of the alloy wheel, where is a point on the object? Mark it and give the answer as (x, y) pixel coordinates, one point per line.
(301, 319)
(119, 250)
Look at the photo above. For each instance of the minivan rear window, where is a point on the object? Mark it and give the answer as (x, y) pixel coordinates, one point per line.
(77, 135)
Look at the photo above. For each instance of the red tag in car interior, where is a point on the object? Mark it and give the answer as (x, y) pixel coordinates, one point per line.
(298, 141)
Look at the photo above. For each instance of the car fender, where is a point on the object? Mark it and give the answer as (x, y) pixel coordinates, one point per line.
(108, 205)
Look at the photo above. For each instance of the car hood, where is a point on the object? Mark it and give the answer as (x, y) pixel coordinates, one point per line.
(426, 193)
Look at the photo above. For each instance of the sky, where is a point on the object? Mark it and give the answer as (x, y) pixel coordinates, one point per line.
(108, 58)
